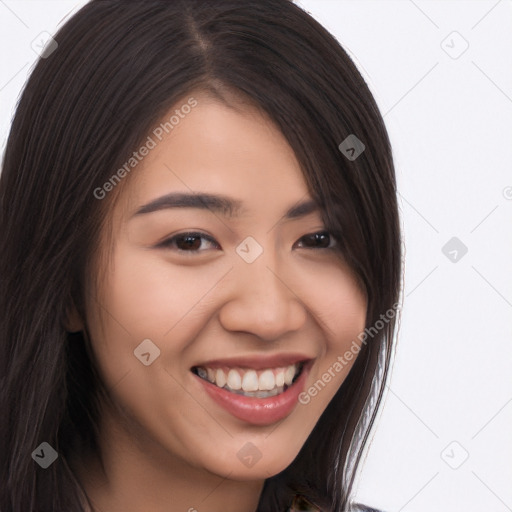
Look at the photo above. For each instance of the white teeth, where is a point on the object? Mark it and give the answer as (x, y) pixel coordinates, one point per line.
(202, 373)
(261, 383)
(234, 380)
(250, 381)
(267, 381)
(289, 374)
(280, 378)
(220, 378)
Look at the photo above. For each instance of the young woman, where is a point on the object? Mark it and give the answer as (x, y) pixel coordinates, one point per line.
(200, 264)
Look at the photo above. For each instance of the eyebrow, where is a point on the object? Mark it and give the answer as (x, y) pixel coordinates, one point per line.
(217, 203)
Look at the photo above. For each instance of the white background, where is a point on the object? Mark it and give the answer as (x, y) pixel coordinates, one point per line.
(449, 115)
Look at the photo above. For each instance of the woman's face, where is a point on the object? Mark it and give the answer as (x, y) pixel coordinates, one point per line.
(243, 300)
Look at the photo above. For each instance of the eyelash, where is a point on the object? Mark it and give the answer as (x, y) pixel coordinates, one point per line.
(168, 243)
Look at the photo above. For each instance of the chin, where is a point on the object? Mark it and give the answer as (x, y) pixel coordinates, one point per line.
(246, 462)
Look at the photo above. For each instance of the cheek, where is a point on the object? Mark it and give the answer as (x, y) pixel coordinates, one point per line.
(346, 316)
(135, 303)
(338, 304)
(347, 322)
(151, 296)
(144, 296)
(340, 307)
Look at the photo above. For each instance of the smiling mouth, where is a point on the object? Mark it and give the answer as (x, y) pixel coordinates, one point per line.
(249, 382)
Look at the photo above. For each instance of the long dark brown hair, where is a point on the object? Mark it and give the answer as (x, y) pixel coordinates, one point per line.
(119, 66)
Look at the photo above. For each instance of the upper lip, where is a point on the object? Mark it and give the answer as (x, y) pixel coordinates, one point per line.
(257, 362)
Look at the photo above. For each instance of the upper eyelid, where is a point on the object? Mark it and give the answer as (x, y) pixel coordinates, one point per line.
(166, 241)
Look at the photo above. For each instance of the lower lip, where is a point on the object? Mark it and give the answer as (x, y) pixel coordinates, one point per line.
(258, 411)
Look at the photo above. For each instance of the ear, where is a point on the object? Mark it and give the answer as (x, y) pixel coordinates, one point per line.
(73, 322)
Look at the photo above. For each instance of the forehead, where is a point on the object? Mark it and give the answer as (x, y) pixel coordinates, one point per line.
(214, 148)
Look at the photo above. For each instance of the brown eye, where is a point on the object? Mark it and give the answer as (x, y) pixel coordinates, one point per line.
(321, 240)
(190, 242)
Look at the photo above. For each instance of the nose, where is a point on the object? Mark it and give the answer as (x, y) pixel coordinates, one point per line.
(264, 302)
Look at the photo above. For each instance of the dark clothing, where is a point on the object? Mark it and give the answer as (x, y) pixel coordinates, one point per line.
(301, 504)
